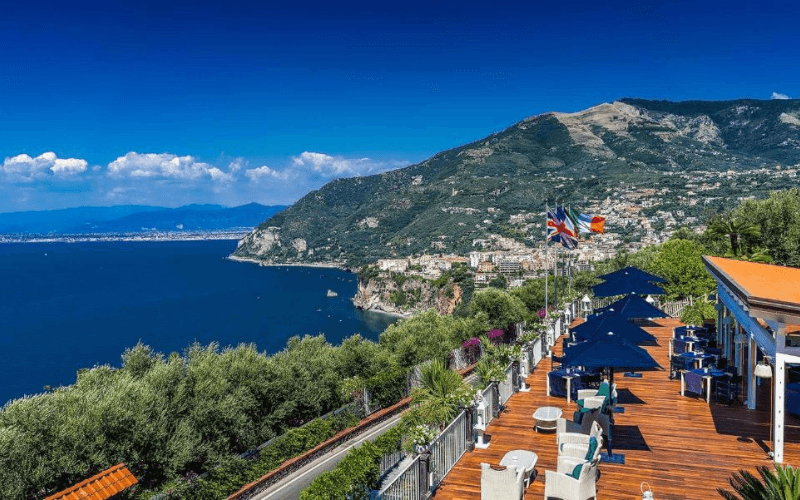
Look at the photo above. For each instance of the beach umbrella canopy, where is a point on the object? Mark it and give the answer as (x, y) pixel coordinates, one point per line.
(622, 328)
(621, 286)
(633, 273)
(632, 306)
(609, 351)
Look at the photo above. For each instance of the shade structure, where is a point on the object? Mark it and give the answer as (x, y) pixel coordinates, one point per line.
(612, 352)
(621, 327)
(609, 351)
(632, 306)
(622, 286)
(633, 273)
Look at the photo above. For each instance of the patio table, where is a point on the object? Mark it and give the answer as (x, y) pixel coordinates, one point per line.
(546, 417)
(568, 374)
(697, 357)
(708, 377)
(521, 459)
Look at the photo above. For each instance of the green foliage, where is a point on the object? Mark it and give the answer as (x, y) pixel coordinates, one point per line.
(778, 218)
(694, 314)
(783, 484)
(442, 393)
(734, 228)
(679, 261)
(502, 309)
(357, 473)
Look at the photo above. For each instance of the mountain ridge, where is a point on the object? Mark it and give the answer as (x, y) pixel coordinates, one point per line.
(466, 194)
(135, 218)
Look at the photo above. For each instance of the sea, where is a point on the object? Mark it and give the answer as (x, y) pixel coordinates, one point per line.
(68, 306)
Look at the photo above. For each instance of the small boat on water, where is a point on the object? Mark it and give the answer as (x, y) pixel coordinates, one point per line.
(331, 293)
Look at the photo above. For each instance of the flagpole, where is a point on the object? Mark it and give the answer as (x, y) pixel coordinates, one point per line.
(546, 259)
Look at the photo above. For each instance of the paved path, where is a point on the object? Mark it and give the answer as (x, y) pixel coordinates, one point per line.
(289, 488)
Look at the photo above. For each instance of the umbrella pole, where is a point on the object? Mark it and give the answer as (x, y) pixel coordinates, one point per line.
(610, 457)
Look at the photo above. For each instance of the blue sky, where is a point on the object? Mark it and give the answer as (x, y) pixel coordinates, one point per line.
(106, 103)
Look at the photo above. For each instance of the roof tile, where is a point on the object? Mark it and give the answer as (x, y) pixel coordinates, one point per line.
(100, 486)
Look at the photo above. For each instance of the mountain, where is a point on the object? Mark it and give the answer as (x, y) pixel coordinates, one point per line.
(136, 218)
(701, 156)
(64, 220)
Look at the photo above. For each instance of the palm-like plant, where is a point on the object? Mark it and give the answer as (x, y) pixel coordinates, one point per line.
(733, 227)
(442, 392)
(783, 484)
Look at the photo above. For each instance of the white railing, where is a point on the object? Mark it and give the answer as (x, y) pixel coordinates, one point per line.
(505, 387)
(405, 486)
(389, 460)
(597, 303)
(488, 398)
(537, 352)
(447, 448)
(675, 309)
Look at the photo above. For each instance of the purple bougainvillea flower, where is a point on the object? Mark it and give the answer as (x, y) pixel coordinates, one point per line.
(542, 313)
(495, 333)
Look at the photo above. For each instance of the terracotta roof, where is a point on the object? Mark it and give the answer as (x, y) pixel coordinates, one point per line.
(100, 486)
(760, 285)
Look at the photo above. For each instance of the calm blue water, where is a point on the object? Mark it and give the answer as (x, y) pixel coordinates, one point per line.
(66, 306)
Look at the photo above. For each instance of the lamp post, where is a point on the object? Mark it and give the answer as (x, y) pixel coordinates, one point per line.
(586, 306)
(763, 370)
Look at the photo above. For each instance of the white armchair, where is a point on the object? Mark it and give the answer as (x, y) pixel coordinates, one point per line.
(580, 451)
(576, 437)
(564, 486)
(504, 484)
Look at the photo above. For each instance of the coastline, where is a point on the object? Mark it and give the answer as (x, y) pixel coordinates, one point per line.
(264, 263)
(376, 308)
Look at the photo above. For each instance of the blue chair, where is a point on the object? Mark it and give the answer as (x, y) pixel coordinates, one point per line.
(678, 346)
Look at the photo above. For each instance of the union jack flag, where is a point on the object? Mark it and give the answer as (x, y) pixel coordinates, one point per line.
(560, 228)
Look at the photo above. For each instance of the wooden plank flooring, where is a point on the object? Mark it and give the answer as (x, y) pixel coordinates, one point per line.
(683, 447)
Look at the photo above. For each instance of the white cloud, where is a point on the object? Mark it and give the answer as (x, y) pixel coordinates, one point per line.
(69, 166)
(338, 166)
(164, 165)
(27, 169)
(778, 95)
(264, 172)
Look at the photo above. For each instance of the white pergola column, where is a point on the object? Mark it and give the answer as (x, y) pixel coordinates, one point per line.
(780, 393)
(751, 380)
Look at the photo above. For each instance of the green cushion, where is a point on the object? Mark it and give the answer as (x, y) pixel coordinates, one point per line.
(592, 448)
(604, 390)
(576, 472)
(580, 403)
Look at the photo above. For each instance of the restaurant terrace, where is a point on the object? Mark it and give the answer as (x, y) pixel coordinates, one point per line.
(682, 430)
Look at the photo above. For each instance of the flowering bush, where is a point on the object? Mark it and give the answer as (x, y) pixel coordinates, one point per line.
(471, 343)
(421, 435)
(542, 313)
(495, 334)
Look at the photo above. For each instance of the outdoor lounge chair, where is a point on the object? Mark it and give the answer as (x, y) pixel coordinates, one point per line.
(588, 451)
(579, 437)
(561, 484)
(726, 391)
(501, 484)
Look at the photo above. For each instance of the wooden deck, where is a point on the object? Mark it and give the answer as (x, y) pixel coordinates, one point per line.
(681, 446)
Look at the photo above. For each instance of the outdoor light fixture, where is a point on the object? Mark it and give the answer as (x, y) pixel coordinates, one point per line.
(763, 370)
(650, 299)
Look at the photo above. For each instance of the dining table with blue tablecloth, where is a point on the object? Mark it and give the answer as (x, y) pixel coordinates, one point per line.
(566, 382)
(698, 358)
(701, 381)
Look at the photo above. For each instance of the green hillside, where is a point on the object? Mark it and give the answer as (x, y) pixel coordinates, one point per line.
(465, 194)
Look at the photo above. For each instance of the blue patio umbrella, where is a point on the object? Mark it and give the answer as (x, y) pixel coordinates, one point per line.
(632, 306)
(623, 329)
(633, 273)
(611, 352)
(621, 286)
